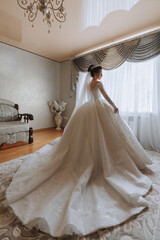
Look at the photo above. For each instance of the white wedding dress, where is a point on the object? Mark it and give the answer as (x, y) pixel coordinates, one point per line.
(86, 180)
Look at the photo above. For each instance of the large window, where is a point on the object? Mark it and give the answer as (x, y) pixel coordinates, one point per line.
(135, 89)
(131, 86)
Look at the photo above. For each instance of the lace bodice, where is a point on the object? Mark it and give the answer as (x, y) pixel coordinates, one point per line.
(98, 90)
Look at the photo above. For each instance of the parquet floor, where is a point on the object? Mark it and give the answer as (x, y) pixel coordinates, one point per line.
(41, 138)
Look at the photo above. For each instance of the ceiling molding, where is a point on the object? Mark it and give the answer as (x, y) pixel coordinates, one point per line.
(114, 42)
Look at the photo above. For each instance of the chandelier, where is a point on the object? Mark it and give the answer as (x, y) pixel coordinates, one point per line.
(51, 10)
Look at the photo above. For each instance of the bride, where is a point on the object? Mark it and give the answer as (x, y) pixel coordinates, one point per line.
(87, 179)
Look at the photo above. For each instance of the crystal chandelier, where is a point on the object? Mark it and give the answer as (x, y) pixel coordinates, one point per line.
(51, 9)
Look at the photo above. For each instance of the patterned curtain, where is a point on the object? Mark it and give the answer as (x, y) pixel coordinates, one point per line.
(137, 50)
(147, 48)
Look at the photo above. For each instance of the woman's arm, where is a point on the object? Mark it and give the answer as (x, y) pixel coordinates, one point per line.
(100, 85)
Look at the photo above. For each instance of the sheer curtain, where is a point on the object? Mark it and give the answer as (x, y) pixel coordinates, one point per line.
(135, 89)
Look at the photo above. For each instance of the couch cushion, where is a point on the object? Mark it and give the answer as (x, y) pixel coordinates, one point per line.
(14, 138)
(13, 127)
(7, 102)
(8, 113)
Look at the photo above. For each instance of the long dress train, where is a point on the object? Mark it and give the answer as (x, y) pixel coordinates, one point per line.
(86, 180)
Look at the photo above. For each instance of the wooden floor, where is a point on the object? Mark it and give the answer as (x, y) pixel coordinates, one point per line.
(41, 138)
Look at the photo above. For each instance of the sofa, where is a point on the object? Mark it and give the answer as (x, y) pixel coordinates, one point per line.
(14, 127)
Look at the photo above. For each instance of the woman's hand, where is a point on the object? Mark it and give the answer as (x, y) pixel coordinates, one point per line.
(116, 110)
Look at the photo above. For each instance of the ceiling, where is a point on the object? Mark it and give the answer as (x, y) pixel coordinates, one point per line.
(74, 36)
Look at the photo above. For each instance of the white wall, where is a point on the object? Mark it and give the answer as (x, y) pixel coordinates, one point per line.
(30, 81)
(65, 89)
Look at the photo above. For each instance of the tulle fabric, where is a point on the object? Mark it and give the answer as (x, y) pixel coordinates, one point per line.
(86, 180)
(83, 93)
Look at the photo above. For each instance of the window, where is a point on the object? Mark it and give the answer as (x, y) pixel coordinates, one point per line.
(131, 86)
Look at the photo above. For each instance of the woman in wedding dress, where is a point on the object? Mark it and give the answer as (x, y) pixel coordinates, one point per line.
(87, 179)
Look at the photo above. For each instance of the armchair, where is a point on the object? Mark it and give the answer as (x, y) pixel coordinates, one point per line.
(14, 127)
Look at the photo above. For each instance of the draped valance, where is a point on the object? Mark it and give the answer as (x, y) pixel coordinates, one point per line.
(147, 48)
(137, 50)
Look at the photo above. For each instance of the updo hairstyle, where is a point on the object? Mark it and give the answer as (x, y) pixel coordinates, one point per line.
(92, 69)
